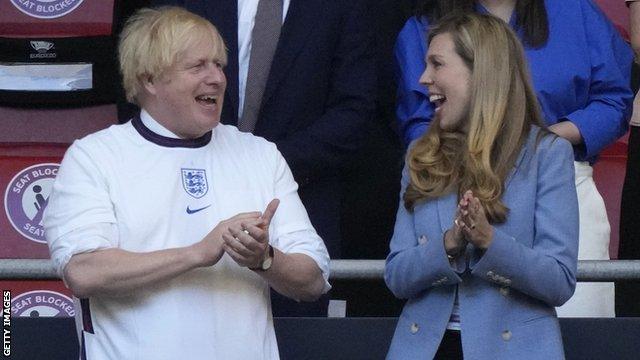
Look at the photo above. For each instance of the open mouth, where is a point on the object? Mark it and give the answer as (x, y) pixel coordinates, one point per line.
(207, 100)
(437, 100)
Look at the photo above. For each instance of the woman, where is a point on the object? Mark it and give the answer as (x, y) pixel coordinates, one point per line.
(493, 267)
(580, 70)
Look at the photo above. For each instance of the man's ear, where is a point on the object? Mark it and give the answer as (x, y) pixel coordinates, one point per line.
(149, 84)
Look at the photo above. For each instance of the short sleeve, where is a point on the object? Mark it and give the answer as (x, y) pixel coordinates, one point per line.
(79, 211)
(291, 229)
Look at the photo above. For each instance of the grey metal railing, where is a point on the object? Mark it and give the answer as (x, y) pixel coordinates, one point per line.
(588, 270)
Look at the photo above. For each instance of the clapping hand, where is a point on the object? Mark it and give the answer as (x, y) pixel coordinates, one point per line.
(454, 240)
(247, 242)
(473, 221)
(210, 249)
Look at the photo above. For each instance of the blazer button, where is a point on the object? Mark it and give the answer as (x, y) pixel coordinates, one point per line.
(506, 335)
(422, 240)
(504, 291)
(414, 328)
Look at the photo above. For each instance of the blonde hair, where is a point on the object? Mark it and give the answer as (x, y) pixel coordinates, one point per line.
(153, 39)
(502, 109)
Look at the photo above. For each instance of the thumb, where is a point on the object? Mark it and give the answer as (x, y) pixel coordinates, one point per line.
(270, 211)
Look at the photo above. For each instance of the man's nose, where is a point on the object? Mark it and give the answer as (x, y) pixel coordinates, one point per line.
(215, 75)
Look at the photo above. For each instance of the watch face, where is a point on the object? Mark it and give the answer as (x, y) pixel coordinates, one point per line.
(266, 264)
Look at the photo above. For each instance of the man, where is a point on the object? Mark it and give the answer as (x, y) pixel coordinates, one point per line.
(318, 95)
(136, 220)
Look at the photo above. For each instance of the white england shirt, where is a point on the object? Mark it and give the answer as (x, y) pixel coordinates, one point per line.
(132, 188)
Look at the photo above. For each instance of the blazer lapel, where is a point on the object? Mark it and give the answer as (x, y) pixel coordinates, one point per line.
(300, 20)
(224, 15)
(517, 164)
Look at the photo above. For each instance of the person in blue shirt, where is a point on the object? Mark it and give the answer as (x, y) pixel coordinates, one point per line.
(486, 236)
(580, 69)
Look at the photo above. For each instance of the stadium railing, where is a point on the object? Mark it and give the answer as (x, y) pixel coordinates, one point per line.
(588, 270)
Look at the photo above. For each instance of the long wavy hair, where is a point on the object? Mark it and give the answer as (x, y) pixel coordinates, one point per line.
(502, 109)
(531, 16)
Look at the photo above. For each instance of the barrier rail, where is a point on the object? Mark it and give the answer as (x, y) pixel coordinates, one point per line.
(588, 270)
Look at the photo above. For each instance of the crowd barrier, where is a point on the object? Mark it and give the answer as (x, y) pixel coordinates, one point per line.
(337, 338)
(588, 270)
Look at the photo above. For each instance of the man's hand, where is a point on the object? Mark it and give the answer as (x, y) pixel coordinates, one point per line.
(247, 241)
(210, 248)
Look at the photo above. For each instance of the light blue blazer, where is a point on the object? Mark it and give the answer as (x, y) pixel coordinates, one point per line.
(506, 295)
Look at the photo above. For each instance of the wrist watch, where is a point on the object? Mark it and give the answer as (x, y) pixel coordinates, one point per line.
(266, 262)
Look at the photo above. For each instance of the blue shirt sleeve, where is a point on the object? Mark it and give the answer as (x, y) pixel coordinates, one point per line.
(604, 118)
(414, 111)
(581, 74)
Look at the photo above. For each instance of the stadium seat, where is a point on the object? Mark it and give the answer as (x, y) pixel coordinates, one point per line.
(27, 172)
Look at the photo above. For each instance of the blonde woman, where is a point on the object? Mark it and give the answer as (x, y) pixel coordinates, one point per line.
(580, 70)
(486, 236)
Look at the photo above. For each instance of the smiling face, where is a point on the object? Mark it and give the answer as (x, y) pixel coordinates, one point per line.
(448, 79)
(187, 97)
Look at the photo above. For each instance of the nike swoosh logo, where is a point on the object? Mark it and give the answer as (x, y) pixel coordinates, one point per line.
(189, 211)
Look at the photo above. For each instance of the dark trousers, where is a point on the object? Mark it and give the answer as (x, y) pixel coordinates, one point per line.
(285, 307)
(450, 347)
(628, 293)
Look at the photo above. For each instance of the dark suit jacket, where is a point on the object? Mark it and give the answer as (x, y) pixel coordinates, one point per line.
(319, 97)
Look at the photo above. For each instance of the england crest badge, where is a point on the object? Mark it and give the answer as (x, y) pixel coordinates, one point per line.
(194, 182)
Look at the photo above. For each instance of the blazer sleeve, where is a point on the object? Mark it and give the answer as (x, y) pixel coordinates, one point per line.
(604, 118)
(342, 129)
(414, 266)
(414, 111)
(546, 270)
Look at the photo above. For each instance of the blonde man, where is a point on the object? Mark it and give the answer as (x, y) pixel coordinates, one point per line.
(155, 224)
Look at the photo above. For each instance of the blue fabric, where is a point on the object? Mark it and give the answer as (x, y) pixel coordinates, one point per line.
(581, 74)
(506, 294)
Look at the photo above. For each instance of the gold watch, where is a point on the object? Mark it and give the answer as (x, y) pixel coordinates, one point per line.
(266, 262)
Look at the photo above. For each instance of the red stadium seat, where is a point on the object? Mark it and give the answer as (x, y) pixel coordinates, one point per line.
(39, 118)
(39, 299)
(36, 18)
(27, 172)
(54, 125)
(58, 52)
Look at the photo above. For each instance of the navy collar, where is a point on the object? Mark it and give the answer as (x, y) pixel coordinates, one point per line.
(146, 133)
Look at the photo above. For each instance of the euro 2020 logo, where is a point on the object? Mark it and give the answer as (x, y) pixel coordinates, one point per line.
(26, 198)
